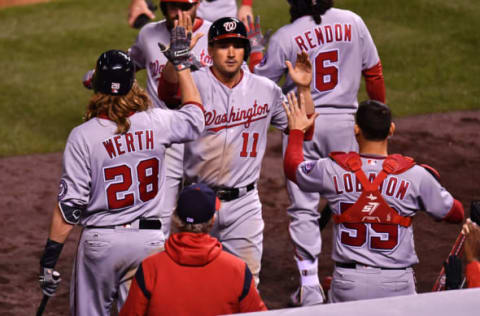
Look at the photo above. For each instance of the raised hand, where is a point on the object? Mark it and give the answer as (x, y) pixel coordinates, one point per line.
(258, 41)
(302, 73)
(296, 113)
(181, 42)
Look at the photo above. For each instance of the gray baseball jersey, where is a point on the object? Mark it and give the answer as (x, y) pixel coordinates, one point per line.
(112, 181)
(213, 10)
(389, 246)
(230, 151)
(378, 256)
(147, 55)
(339, 49)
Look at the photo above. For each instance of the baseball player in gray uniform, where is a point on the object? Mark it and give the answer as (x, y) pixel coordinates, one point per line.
(341, 49)
(146, 55)
(373, 196)
(239, 108)
(209, 10)
(113, 184)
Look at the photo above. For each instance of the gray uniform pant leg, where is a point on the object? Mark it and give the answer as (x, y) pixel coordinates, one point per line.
(173, 184)
(105, 262)
(333, 132)
(239, 227)
(369, 283)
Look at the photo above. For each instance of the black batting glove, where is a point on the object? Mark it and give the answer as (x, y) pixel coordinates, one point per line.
(179, 51)
(453, 273)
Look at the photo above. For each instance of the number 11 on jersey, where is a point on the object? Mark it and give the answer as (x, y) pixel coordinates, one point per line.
(245, 147)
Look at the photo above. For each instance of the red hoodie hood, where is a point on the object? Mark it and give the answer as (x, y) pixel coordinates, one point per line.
(192, 249)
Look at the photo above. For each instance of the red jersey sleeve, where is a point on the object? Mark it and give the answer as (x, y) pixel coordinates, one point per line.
(169, 92)
(293, 154)
(375, 83)
(472, 273)
(456, 213)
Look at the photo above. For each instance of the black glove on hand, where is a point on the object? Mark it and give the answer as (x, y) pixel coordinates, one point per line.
(254, 34)
(49, 280)
(179, 51)
(453, 273)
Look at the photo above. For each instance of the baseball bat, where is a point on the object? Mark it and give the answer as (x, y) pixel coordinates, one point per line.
(457, 247)
(456, 250)
(45, 298)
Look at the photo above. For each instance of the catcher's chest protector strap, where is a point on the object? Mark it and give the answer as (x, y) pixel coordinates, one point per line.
(370, 206)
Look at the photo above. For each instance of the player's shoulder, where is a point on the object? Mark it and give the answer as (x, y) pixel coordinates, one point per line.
(260, 81)
(341, 14)
(204, 27)
(153, 27)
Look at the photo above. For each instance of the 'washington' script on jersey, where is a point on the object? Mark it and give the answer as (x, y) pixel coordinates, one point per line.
(237, 116)
(324, 34)
(128, 142)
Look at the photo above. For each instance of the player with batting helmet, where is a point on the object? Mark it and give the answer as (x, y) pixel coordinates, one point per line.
(146, 54)
(239, 108)
(113, 184)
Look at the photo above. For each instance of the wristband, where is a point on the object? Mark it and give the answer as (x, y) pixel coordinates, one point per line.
(51, 254)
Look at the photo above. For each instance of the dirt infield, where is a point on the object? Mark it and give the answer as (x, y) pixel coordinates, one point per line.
(28, 189)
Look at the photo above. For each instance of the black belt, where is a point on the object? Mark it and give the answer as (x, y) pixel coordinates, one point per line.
(353, 265)
(143, 223)
(228, 194)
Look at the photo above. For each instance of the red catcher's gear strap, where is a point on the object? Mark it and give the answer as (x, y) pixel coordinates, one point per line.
(370, 206)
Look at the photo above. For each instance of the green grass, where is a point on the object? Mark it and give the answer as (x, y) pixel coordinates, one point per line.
(428, 50)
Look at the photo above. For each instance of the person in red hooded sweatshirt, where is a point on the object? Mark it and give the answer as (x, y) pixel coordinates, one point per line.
(193, 276)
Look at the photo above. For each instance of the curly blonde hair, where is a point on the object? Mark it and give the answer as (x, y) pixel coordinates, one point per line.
(118, 108)
(180, 226)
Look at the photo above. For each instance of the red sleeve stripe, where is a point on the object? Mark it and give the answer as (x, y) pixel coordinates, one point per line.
(456, 213)
(247, 2)
(195, 103)
(294, 154)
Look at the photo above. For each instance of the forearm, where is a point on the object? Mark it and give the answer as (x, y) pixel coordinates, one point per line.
(293, 154)
(188, 89)
(59, 229)
(375, 83)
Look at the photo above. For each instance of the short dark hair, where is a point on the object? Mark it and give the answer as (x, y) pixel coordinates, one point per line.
(374, 119)
(316, 9)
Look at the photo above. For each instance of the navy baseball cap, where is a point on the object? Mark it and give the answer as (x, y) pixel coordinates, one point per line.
(197, 203)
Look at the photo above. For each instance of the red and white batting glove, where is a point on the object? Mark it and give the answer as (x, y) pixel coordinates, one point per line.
(88, 78)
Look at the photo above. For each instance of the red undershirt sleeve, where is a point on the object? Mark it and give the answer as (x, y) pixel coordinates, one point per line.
(293, 154)
(169, 92)
(254, 60)
(456, 213)
(375, 83)
(472, 273)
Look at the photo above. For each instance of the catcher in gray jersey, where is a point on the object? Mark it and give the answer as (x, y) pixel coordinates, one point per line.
(113, 183)
(373, 196)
